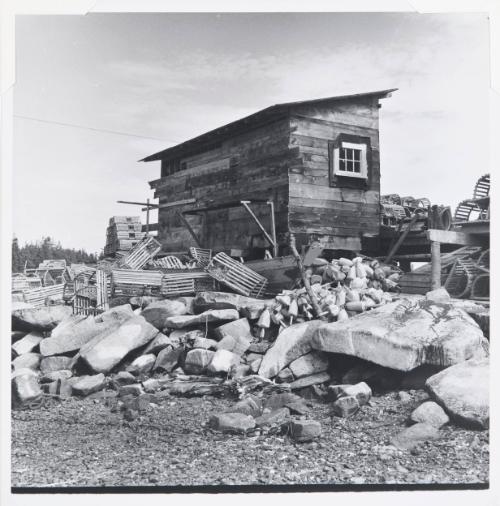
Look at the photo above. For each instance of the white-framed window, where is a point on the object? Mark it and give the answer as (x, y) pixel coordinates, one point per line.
(349, 160)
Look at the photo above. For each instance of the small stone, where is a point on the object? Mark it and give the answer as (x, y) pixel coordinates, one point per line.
(28, 343)
(414, 435)
(431, 413)
(314, 379)
(140, 403)
(250, 405)
(237, 423)
(135, 389)
(142, 364)
(167, 359)
(52, 364)
(25, 387)
(28, 360)
(361, 391)
(311, 363)
(259, 347)
(89, 384)
(160, 342)
(403, 396)
(276, 401)
(285, 376)
(222, 361)
(151, 385)
(124, 378)
(305, 430)
(203, 343)
(197, 361)
(277, 417)
(345, 406)
(241, 371)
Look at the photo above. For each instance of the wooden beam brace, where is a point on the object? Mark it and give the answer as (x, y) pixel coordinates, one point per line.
(268, 237)
(435, 265)
(190, 230)
(148, 206)
(451, 237)
(174, 204)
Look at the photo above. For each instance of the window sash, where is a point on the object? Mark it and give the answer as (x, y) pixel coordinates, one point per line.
(350, 160)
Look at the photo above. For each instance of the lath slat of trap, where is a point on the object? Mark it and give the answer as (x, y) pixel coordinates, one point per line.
(202, 256)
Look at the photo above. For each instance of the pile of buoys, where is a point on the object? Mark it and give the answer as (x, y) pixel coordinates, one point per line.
(342, 287)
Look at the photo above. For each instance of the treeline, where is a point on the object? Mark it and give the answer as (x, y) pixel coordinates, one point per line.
(31, 254)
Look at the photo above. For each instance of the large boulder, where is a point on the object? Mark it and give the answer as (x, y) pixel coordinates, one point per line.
(157, 313)
(211, 316)
(86, 385)
(28, 343)
(237, 338)
(404, 335)
(307, 381)
(463, 391)
(25, 387)
(305, 430)
(431, 413)
(76, 331)
(252, 308)
(41, 318)
(290, 344)
(103, 354)
(28, 360)
(312, 363)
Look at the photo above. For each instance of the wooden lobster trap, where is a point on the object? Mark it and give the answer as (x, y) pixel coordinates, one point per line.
(142, 253)
(42, 296)
(131, 283)
(186, 283)
(91, 293)
(237, 276)
(202, 256)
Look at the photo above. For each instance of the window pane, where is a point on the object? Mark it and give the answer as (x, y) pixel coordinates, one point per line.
(357, 167)
(357, 154)
(349, 167)
(342, 153)
(342, 165)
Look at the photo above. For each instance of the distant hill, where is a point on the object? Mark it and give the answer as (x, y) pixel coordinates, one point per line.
(46, 248)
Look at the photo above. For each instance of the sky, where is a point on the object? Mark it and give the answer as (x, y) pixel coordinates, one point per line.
(96, 93)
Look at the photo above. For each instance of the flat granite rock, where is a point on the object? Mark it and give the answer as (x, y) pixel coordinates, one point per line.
(211, 316)
(463, 391)
(41, 318)
(290, 344)
(107, 352)
(405, 334)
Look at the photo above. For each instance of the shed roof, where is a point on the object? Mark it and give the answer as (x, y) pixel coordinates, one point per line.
(271, 113)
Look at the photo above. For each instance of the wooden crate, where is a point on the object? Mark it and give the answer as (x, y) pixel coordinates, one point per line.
(38, 296)
(135, 282)
(186, 283)
(237, 276)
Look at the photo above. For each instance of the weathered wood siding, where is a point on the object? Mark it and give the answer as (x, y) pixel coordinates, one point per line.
(253, 165)
(319, 204)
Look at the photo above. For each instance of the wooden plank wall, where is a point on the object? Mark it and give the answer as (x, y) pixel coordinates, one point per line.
(315, 207)
(253, 165)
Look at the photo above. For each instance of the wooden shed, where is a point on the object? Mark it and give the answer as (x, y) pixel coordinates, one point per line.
(309, 168)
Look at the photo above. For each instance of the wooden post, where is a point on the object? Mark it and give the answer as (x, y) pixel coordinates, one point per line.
(273, 229)
(305, 280)
(435, 265)
(147, 217)
(189, 229)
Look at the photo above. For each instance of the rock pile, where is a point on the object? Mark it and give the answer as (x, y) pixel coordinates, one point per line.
(213, 344)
